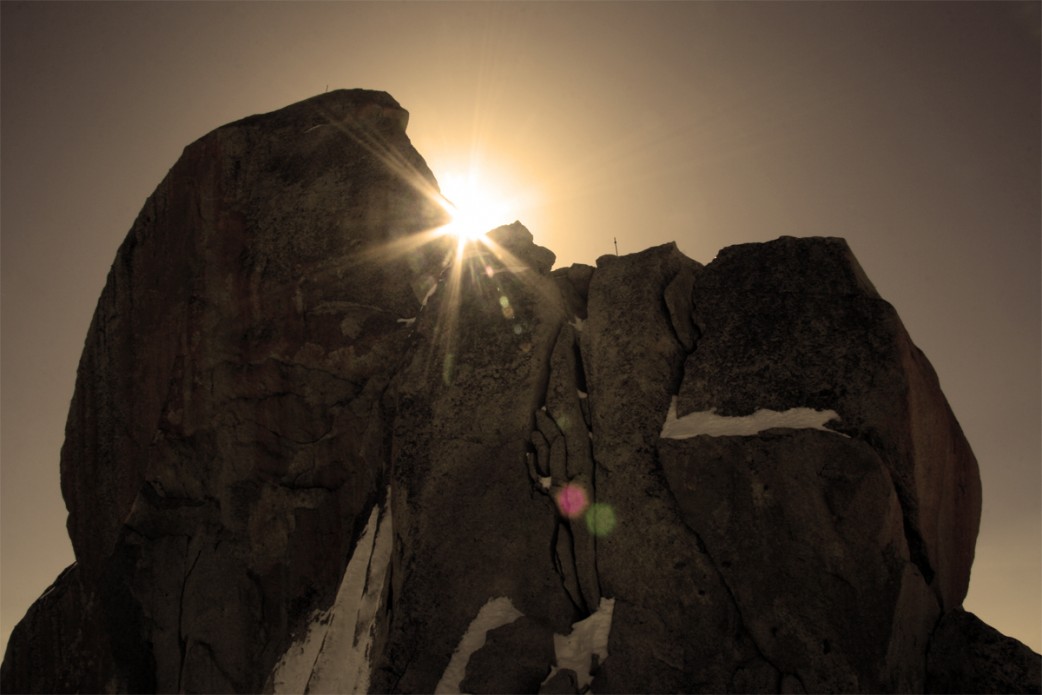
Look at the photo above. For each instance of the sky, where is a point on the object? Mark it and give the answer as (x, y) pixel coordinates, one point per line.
(910, 129)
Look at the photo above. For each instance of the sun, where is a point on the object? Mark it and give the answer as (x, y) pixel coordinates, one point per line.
(475, 205)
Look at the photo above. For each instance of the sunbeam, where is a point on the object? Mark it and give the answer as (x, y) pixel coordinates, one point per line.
(464, 265)
(475, 205)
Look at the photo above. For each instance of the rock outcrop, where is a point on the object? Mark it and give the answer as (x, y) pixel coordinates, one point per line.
(967, 656)
(315, 447)
(226, 439)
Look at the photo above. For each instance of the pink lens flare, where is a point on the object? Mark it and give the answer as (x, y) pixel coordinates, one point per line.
(572, 501)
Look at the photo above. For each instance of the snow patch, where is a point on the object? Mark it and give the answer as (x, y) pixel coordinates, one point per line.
(430, 293)
(546, 481)
(707, 422)
(333, 655)
(408, 322)
(496, 612)
(577, 324)
(588, 638)
(582, 394)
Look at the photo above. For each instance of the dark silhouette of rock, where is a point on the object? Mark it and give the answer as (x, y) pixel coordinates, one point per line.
(501, 667)
(563, 682)
(795, 323)
(833, 494)
(225, 439)
(53, 649)
(314, 447)
(968, 656)
(463, 403)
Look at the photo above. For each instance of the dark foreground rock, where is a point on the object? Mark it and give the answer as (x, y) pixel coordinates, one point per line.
(968, 656)
(315, 448)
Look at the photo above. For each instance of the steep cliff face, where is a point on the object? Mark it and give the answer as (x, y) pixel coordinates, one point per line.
(226, 441)
(308, 453)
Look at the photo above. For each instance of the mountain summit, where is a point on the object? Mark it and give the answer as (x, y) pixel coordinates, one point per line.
(308, 453)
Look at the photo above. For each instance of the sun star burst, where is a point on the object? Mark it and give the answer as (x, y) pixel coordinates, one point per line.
(475, 205)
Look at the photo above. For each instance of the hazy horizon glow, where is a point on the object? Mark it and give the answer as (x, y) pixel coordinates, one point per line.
(910, 129)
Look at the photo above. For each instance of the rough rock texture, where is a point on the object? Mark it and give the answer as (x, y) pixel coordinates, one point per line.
(967, 656)
(797, 324)
(52, 648)
(833, 494)
(311, 447)
(225, 441)
(471, 522)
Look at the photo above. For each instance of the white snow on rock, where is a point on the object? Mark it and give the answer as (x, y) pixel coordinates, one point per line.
(545, 481)
(408, 321)
(496, 612)
(333, 656)
(707, 422)
(588, 638)
(430, 292)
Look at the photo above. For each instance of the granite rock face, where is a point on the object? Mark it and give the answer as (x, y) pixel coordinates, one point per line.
(967, 656)
(225, 440)
(316, 447)
(796, 324)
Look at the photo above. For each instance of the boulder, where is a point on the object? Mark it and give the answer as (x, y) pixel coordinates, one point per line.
(794, 323)
(224, 440)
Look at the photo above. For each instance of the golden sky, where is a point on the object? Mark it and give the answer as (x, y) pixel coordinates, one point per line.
(910, 129)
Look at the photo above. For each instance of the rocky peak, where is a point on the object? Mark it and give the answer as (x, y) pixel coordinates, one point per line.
(518, 242)
(307, 454)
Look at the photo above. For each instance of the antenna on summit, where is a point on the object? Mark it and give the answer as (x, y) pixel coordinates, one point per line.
(616, 240)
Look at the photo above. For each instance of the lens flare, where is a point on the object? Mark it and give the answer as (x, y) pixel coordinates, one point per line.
(572, 501)
(462, 208)
(476, 206)
(600, 519)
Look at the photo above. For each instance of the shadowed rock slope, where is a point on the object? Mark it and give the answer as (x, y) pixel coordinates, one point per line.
(314, 447)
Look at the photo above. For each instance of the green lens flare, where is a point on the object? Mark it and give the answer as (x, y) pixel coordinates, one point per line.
(600, 519)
